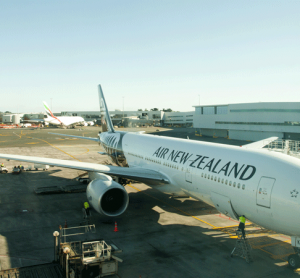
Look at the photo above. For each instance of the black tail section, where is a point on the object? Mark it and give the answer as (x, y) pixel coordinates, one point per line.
(105, 118)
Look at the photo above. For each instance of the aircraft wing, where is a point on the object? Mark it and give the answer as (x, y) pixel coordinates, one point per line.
(260, 144)
(80, 137)
(134, 173)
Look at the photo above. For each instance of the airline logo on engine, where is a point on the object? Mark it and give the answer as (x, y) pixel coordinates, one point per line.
(213, 165)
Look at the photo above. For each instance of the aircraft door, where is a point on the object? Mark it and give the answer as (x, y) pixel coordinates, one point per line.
(223, 205)
(188, 175)
(264, 191)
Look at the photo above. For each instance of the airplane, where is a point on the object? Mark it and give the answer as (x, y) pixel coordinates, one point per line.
(63, 121)
(248, 180)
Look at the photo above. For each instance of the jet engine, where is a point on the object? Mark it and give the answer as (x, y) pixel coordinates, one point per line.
(107, 197)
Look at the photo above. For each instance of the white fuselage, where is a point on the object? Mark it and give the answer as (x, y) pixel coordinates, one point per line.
(65, 120)
(261, 184)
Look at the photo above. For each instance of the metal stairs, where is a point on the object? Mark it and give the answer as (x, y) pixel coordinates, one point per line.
(242, 248)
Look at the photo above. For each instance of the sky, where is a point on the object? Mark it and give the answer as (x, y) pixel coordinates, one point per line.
(147, 54)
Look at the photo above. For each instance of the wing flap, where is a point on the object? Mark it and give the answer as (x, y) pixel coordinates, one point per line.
(134, 173)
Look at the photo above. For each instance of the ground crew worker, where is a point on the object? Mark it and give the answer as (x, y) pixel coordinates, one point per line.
(242, 225)
(2, 164)
(87, 208)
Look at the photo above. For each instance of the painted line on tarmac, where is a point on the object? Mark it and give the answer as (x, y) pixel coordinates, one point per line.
(58, 149)
(231, 226)
(173, 207)
(214, 227)
(17, 135)
(87, 150)
(32, 143)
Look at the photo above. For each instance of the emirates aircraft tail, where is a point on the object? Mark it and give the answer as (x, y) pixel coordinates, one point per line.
(49, 112)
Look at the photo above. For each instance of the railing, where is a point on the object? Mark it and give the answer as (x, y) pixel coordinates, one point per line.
(289, 147)
(95, 251)
(75, 231)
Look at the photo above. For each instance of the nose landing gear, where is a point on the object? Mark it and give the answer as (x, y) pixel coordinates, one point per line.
(294, 261)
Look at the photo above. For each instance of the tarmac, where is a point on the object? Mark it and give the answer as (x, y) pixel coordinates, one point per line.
(161, 236)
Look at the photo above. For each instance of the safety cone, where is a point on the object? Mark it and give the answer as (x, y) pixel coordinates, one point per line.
(66, 224)
(116, 227)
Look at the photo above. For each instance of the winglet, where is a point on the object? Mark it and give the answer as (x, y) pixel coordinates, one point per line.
(106, 122)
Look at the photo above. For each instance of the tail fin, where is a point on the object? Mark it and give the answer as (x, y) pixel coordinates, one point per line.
(105, 118)
(48, 111)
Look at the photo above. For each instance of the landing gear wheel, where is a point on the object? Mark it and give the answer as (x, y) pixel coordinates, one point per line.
(294, 261)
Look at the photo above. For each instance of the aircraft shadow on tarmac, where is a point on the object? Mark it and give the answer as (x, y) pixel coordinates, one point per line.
(157, 237)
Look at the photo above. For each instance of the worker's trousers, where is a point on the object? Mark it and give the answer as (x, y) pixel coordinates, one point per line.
(242, 228)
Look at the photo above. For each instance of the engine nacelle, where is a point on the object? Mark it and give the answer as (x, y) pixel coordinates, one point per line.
(107, 196)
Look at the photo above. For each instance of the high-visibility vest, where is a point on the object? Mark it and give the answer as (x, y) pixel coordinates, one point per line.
(242, 219)
(86, 205)
(2, 165)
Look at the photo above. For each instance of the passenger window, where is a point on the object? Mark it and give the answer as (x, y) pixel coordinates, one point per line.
(205, 176)
(218, 179)
(243, 187)
(225, 181)
(202, 175)
(239, 185)
(222, 180)
(212, 177)
(208, 176)
(229, 183)
(234, 184)
(215, 178)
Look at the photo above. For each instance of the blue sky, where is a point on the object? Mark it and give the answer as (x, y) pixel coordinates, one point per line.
(153, 53)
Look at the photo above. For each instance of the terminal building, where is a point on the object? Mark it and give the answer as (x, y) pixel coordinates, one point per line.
(249, 121)
(138, 118)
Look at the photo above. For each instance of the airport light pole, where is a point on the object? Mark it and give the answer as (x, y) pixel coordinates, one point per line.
(123, 108)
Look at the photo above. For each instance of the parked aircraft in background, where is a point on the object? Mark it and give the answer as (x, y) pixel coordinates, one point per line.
(63, 121)
(248, 180)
